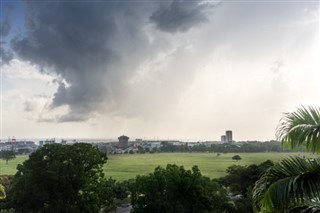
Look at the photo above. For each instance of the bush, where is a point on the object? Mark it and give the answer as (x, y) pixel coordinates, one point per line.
(236, 157)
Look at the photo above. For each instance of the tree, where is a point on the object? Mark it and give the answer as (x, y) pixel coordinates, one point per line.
(240, 181)
(294, 183)
(241, 178)
(7, 155)
(175, 190)
(60, 178)
(236, 157)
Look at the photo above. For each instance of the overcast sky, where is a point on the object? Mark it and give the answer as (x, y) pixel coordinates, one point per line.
(177, 69)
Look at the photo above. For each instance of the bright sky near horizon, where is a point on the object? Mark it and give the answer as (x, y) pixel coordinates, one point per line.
(178, 69)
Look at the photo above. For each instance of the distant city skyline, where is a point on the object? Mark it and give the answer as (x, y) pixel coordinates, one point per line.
(156, 69)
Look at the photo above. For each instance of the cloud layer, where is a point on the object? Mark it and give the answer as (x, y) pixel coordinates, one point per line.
(96, 48)
(157, 68)
(180, 15)
(5, 27)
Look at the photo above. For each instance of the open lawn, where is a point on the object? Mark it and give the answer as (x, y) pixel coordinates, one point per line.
(11, 167)
(122, 167)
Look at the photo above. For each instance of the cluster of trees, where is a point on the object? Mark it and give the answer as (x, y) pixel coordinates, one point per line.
(240, 181)
(253, 146)
(60, 178)
(245, 147)
(239, 147)
(174, 189)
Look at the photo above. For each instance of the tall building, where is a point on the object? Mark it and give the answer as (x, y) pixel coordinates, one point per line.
(228, 136)
(123, 141)
(223, 138)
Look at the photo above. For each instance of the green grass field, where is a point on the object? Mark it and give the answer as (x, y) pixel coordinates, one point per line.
(11, 167)
(122, 167)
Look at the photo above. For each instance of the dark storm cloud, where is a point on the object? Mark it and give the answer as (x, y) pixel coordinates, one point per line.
(74, 40)
(5, 56)
(94, 47)
(5, 27)
(180, 15)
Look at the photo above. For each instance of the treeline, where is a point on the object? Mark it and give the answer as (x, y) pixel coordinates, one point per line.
(239, 147)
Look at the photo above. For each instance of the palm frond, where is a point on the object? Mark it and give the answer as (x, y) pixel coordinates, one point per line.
(307, 208)
(290, 183)
(301, 127)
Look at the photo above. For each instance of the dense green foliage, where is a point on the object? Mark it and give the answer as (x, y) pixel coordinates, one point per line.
(60, 178)
(240, 181)
(293, 185)
(7, 155)
(175, 190)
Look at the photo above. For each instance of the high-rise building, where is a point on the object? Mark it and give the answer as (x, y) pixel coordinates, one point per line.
(223, 138)
(228, 136)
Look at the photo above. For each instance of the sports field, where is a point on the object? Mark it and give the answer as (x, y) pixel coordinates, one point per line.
(122, 167)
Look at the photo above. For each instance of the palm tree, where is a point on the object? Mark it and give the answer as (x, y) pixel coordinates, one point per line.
(293, 185)
(301, 127)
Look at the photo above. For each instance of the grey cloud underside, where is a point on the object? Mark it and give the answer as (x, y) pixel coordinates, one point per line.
(96, 47)
(5, 56)
(179, 16)
(74, 41)
(5, 27)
